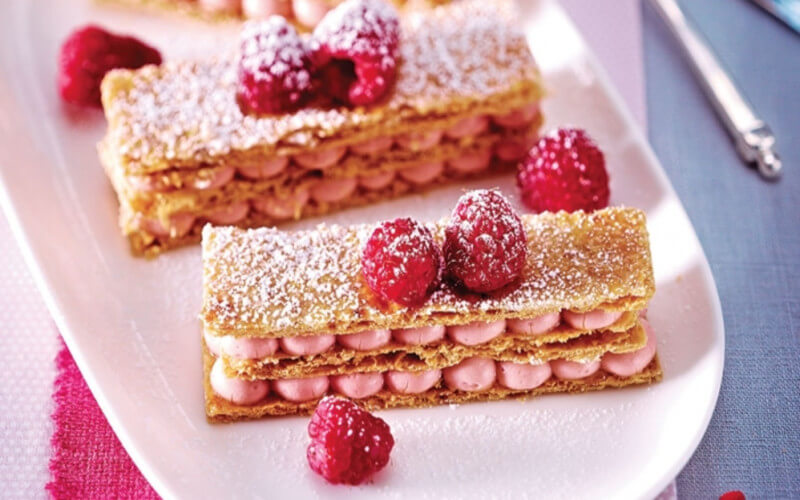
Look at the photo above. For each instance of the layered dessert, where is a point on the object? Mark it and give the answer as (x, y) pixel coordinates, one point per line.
(305, 13)
(290, 317)
(181, 152)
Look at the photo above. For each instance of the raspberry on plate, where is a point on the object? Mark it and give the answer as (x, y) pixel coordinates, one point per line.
(348, 444)
(732, 495)
(402, 262)
(485, 243)
(275, 69)
(91, 52)
(355, 46)
(565, 170)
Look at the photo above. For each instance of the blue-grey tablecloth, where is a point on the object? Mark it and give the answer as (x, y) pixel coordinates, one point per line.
(750, 230)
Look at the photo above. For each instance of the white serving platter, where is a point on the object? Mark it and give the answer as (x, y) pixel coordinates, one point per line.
(132, 325)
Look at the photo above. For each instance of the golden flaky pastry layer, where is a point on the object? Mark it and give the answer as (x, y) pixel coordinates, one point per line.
(145, 244)
(463, 59)
(269, 283)
(564, 342)
(182, 196)
(221, 410)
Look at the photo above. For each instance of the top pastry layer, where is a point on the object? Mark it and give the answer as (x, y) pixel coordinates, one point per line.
(455, 59)
(269, 283)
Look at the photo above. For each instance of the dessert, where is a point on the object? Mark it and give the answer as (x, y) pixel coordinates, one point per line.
(288, 318)
(180, 152)
(304, 13)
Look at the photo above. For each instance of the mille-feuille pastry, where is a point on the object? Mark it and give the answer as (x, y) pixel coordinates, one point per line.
(304, 13)
(180, 151)
(290, 317)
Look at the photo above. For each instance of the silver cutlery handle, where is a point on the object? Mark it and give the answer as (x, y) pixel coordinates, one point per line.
(754, 139)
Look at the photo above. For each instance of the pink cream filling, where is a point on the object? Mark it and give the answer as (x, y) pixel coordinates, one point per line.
(357, 385)
(248, 348)
(412, 382)
(215, 178)
(365, 341)
(471, 334)
(219, 5)
(307, 345)
(423, 172)
(522, 377)
(241, 347)
(282, 208)
(301, 389)
(476, 333)
(421, 335)
(472, 125)
(472, 162)
(179, 225)
(213, 343)
(310, 12)
(630, 363)
(238, 391)
(231, 214)
(471, 375)
(534, 326)
(262, 9)
(592, 320)
(333, 190)
(320, 159)
(377, 181)
(266, 169)
(574, 370)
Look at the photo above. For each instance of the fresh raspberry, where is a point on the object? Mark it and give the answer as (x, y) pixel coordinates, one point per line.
(402, 262)
(274, 68)
(355, 47)
(732, 495)
(91, 52)
(348, 444)
(565, 170)
(485, 244)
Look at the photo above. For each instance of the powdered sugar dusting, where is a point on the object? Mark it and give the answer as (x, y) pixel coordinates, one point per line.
(272, 50)
(402, 262)
(274, 277)
(186, 112)
(361, 28)
(266, 282)
(485, 242)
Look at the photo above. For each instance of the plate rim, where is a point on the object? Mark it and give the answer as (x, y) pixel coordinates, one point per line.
(46, 283)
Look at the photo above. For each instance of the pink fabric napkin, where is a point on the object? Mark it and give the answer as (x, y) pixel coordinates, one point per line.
(88, 460)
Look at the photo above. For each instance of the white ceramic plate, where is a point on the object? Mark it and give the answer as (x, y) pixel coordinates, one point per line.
(132, 324)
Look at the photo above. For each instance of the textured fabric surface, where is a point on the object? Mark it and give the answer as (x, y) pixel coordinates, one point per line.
(750, 230)
(88, 461)
(28, 344)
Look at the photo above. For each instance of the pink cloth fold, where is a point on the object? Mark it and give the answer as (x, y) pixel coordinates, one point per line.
(88, 460)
